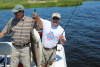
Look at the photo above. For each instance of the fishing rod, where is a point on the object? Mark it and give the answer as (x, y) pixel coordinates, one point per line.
(69, 19)
(35, 24)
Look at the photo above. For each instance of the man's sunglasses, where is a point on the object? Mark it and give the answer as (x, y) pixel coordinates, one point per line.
(55, 18)
(18, 11)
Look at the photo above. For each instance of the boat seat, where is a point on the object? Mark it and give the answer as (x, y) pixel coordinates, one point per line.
(5, 49)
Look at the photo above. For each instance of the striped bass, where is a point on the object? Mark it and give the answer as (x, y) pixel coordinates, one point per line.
(36, 47)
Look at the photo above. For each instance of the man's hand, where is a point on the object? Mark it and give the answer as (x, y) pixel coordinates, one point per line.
(1, 34)
(63, 41)
(35, 15)
(61, 37)
(37, 18)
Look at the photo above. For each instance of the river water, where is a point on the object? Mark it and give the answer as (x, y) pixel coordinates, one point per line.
(82, 33)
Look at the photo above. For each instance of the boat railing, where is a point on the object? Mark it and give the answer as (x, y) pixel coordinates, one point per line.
(5, 49)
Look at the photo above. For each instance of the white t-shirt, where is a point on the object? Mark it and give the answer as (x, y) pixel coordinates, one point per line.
(51, 34)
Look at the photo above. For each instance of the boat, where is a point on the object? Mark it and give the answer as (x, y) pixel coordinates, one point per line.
(5, 51)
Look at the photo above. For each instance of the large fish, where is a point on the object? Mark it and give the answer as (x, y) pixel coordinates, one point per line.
(36, 47)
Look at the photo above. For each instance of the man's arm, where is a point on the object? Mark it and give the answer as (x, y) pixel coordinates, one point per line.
(38, 20)
(1, 34)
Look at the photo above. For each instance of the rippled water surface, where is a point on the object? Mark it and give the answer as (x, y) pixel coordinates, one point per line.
(82, 33)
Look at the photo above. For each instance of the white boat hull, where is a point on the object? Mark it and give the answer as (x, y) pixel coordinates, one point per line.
(60, 57)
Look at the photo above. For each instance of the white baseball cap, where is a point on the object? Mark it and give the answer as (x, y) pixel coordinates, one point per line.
(56, 15)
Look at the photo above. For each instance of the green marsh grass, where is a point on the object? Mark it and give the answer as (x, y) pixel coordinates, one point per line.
(9, 4)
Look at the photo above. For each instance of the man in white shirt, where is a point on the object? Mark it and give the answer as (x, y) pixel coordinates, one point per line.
(52, 33)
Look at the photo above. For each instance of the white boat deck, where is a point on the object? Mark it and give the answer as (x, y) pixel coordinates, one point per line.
(60, 57)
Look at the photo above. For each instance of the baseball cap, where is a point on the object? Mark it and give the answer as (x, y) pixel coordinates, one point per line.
(56, 15)
(17, 8)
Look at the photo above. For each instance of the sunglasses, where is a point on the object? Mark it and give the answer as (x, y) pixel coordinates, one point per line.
(55, 18)
(18, 11)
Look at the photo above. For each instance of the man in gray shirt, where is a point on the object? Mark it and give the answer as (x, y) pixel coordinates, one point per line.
(20, 27)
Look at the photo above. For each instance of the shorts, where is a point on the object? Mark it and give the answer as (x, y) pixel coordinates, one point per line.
(46, 55)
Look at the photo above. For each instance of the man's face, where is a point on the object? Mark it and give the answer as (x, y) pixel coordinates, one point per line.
(18, 14)
(55, 21)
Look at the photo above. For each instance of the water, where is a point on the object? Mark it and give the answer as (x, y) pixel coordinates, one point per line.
(82, 33)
